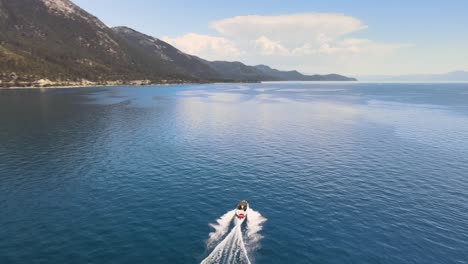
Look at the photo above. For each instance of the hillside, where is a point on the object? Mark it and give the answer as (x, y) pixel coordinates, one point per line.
(60, 41)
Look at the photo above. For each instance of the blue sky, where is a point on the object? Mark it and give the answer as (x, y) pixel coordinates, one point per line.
(389, 37)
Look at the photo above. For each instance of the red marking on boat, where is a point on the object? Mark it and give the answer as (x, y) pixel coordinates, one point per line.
(241, 216)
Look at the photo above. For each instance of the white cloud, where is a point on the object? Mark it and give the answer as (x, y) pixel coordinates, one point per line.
(297, 28)
(288, 41)
(208, 47)
(349, 46)
(270, 47)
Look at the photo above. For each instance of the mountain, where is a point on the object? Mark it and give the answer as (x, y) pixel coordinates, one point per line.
(56, 39)
(455, 76)
(42, 40)
(238, 71)
(297, 76)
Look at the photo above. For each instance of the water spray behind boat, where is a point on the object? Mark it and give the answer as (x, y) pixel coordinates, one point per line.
(237, 245)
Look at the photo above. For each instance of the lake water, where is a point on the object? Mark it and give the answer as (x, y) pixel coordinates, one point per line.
(343, 173)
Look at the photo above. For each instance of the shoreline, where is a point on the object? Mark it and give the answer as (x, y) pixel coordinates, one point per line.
(97, 85)
(77, 86)
(113, 85)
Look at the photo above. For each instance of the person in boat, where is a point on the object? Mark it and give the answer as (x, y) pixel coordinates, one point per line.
(242, 206)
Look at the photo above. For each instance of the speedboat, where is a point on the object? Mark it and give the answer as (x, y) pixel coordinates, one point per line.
(241, 209)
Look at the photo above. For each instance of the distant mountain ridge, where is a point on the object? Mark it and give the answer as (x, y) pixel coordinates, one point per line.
(297, 76)
(59, 41)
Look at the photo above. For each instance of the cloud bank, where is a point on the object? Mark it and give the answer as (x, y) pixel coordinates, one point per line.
(288, 41)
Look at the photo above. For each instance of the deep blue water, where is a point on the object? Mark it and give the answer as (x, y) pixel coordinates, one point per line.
(345, 173)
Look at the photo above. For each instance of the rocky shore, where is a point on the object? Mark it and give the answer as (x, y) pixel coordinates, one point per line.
(12, 80)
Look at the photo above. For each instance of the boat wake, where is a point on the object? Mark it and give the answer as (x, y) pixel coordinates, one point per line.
(238, 244)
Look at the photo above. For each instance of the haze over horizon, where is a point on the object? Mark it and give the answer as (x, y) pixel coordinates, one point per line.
(358, 38)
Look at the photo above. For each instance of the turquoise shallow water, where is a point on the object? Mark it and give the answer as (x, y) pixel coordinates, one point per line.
(345, 173)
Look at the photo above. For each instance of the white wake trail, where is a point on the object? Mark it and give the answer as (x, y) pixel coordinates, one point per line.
(254, 225)
(220, 228)
(233, 249)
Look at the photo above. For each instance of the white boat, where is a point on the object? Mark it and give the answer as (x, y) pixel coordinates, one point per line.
(241, 209)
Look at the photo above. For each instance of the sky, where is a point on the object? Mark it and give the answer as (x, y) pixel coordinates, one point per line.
(357, 38)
